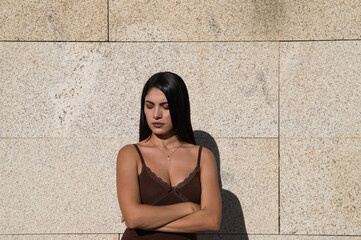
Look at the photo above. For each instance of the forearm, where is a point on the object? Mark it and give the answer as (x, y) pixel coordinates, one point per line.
(202, 220)
(148, 217)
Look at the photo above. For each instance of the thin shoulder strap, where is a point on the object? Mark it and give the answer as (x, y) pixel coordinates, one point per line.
(140, 154)
(199, 156)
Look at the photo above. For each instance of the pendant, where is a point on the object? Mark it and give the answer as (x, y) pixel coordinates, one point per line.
(168, 158)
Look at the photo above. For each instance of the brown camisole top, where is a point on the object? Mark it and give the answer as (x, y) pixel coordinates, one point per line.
(154, 191)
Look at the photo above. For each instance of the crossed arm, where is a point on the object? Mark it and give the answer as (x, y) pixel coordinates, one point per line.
(181, 217)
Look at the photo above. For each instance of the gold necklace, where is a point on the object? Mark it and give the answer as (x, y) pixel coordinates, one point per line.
(169, 158)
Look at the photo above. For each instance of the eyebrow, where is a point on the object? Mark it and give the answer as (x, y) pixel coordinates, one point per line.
(162, 103)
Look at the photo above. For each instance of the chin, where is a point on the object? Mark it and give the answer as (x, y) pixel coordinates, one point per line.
(161, 132)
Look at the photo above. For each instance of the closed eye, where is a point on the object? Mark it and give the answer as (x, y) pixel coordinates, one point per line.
(149, 105)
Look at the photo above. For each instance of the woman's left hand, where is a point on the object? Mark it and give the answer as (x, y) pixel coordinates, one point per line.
(122, 220)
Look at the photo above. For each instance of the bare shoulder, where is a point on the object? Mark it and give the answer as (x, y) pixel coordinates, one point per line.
(207, 154)
(207, 158)
(127, 153)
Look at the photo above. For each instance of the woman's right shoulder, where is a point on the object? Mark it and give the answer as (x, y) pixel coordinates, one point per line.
(127, 152)
(128, 147)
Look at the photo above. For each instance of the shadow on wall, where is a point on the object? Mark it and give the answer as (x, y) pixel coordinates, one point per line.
(232, 214)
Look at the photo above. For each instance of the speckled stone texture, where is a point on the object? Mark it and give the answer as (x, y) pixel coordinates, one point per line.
(320, 89)
(320, 148)
(59, 186)
(53, 20)
(61, 237)
(272, 95)
(249, 183)
(319, 20)
(59, 90)
(320, 186)
(93, 90)
(192, 20)
(234, 20)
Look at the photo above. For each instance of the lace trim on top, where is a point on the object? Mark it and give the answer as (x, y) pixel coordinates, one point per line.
(160, 180)
(167, 185)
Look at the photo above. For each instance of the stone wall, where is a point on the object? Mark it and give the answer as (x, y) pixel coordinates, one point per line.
(275, 90)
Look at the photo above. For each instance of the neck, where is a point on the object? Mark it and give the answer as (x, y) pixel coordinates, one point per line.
(168, 142)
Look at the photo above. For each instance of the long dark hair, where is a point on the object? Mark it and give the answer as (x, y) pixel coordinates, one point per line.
(176, 93)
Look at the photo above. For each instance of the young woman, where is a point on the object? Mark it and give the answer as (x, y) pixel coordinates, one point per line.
(167, 185)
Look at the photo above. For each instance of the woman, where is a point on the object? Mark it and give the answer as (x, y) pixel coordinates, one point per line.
(167, 186)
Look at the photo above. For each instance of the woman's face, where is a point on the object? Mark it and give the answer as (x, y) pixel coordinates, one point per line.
(157, 112)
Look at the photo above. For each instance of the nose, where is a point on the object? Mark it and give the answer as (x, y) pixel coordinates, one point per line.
(157, 114)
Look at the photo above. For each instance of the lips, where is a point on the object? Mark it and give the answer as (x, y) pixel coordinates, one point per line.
(157, 125)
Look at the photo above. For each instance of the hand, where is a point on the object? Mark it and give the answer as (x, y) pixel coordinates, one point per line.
(122, 220)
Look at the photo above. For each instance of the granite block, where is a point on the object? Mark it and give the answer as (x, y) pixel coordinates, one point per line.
(59, 186)
(319, 20)
(94, 90)
(192, 20)
(249, 183)
(234, 20)
(320, 185)
(54, 20)
(320, 89)
(60, 90)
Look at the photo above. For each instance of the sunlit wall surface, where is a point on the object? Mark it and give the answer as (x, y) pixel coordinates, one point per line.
(275, 90)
